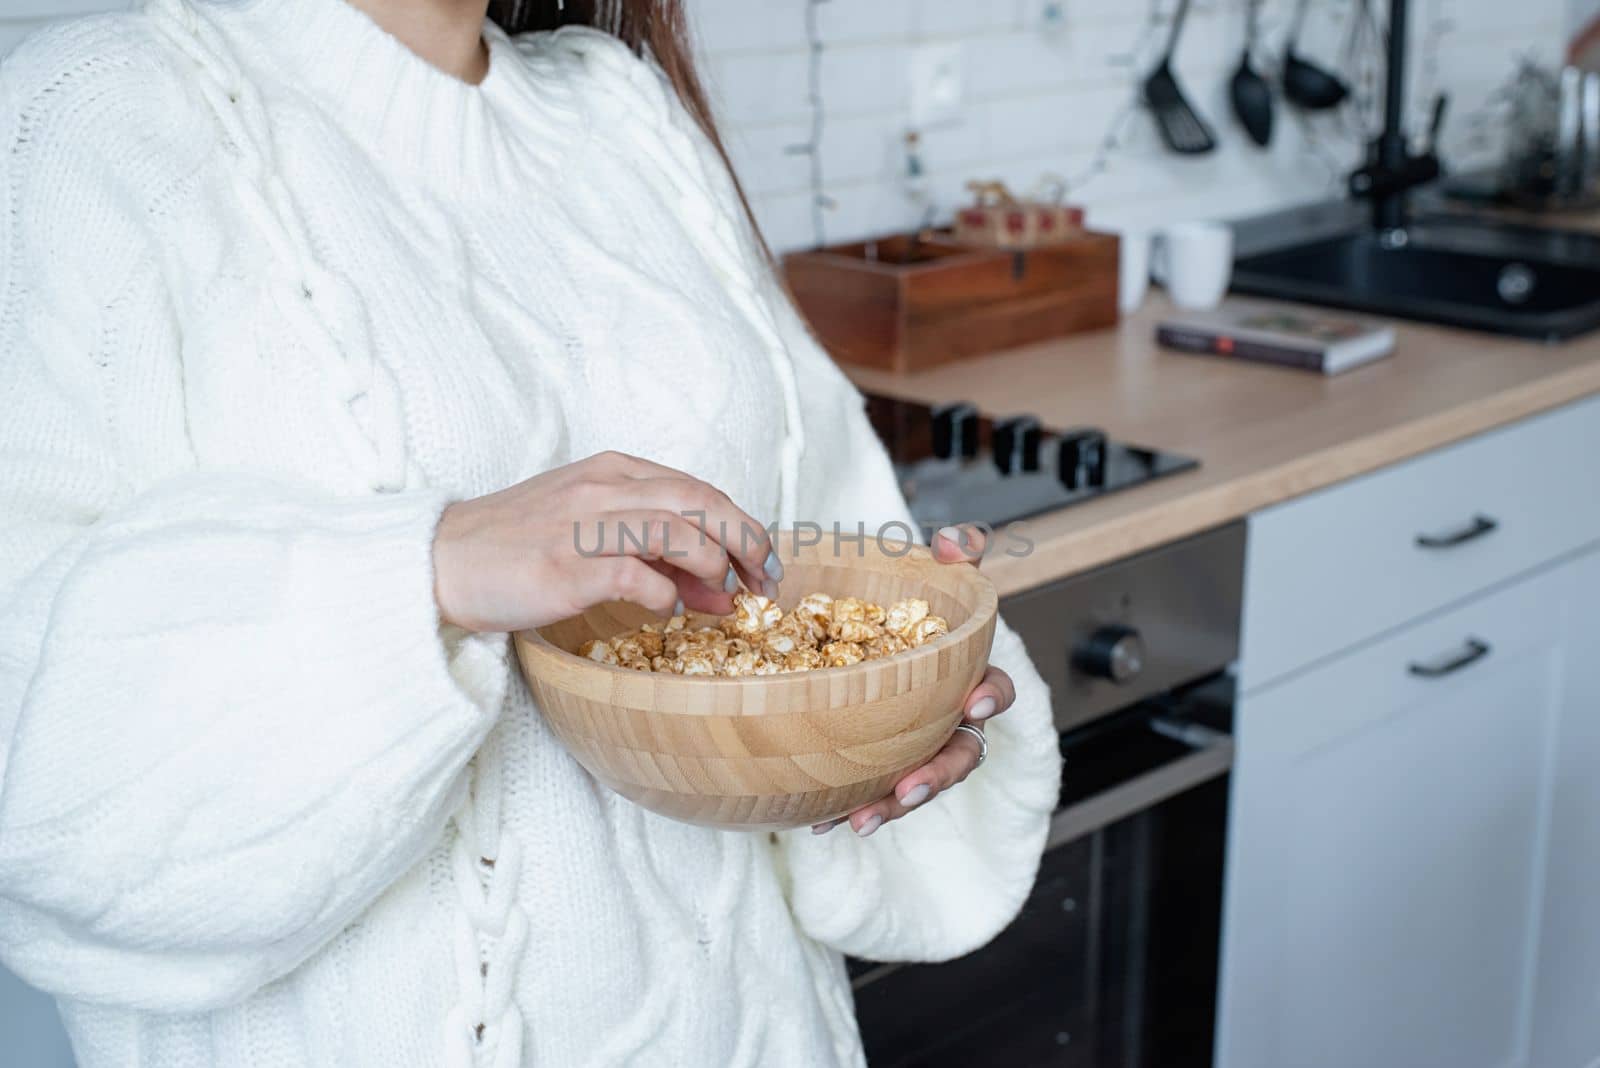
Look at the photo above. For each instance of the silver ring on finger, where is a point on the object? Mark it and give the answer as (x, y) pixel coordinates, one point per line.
(983, 743)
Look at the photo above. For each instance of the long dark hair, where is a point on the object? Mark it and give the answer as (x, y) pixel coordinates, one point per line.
(657, 28)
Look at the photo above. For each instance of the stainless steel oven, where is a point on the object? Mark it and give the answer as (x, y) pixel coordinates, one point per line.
(1113, 961)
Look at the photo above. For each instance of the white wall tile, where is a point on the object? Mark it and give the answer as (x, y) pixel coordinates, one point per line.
(745, 25)
(944, 18)
(850, 21)
(756, 87)
(1041, 95)
(865, 79)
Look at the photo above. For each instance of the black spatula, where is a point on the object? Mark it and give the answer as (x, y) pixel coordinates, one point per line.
(1252, 96)
(1180, 126)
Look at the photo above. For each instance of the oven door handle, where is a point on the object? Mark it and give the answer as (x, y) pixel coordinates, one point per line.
(1210, 756)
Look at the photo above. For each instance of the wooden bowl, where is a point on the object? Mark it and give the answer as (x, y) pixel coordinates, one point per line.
(774, 751)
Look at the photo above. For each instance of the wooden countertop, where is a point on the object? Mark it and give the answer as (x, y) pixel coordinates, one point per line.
(1263, 434)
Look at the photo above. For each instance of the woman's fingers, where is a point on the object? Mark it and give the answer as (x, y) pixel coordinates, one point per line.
(717, 519)
(992, 696)
(625, 578)
(696, 596)
(655, 535)
(612, 464)
(613, 481)
(958, 545)
(587, 533)
(948, 768)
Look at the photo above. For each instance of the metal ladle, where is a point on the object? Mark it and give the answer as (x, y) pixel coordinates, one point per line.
(1305, 83)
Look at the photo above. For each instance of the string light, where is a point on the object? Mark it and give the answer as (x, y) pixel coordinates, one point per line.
(1111, 141)
(821, 203)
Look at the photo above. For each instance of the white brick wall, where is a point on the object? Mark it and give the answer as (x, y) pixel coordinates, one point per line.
(1038, 99)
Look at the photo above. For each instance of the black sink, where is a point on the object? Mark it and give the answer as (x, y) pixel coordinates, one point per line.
(1504, 279)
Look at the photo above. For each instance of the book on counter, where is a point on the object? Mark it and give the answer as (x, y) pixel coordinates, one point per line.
(1291, 337)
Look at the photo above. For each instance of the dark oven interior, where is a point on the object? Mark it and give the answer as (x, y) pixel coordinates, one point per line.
(1113, 961)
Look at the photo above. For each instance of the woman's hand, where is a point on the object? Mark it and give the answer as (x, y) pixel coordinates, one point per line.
(992, 696)
(609, 528)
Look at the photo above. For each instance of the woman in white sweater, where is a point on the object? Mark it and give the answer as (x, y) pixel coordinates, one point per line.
(311, 310)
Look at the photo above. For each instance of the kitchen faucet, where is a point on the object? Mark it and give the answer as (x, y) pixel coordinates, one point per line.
(1472, 271)
(1392, 169)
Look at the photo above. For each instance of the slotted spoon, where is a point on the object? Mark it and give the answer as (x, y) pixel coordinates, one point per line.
(1179, 124)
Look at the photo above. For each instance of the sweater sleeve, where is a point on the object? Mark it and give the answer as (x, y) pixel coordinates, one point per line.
(229, 715)
(950, 876)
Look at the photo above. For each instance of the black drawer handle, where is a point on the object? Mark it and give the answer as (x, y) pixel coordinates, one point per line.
(1438, 669)
(1479, 526)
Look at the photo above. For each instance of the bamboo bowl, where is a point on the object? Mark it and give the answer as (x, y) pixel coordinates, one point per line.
(774, 751)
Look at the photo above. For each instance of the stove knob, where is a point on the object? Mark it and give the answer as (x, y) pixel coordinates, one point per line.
(1016, 444)
(955, 431)
(1031, 441)
(1113, 652)
(1081, 459)
(1094, 460)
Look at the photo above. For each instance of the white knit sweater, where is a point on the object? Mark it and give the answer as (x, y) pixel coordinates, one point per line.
(274, 291)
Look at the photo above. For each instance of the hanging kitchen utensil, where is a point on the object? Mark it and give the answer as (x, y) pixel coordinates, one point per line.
(1252, 96)
(1181, 127)
(1305, 83)
(1364, 65)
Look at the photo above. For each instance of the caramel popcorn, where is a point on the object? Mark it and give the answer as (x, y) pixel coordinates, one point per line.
(852, 630)
(927, 629)
(761, 639)
(753, 614)
(884, 646)
(776, 645)
(848, 608)
(814, 606)
(842, 654)
(905, 615)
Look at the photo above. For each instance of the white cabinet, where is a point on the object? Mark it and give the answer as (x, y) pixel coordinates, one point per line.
(1336, 567)
(1414, 856)
(1566, 1003)
(1387, 847)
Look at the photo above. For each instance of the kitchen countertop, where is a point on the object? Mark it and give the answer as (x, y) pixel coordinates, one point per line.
(1263, 434)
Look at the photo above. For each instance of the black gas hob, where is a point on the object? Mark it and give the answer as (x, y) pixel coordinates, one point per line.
(957, 465)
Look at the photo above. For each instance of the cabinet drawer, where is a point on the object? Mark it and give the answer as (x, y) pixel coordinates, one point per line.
(1386, 842)
(1342, 565)
(1451, 653)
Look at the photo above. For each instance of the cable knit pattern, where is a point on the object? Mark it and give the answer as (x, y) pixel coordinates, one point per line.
(309, 297)
(272, 292)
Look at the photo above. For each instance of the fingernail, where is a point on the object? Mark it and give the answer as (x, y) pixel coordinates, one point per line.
(824, 828)
(954, 536)
(731, 583)
(983, 709)
(677, 609)
(773, 567)
(769, 590)
(872, 824)
(915, 796)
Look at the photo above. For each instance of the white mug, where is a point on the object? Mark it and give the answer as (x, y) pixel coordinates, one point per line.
(1133, 270)
(1194, 261)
